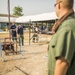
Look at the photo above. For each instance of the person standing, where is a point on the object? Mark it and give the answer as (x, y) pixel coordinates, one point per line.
(13, 31)
(61, 49)
(20, 32)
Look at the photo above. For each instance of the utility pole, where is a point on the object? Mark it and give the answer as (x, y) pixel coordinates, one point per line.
(9, 15)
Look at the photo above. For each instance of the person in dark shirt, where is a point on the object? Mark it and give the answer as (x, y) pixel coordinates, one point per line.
(20, 32)
(13, 31)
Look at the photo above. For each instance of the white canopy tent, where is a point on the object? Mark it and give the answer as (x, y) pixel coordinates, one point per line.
(39, 17)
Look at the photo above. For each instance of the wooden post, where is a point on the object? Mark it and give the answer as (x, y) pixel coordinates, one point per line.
(9, 15)
(29, 31)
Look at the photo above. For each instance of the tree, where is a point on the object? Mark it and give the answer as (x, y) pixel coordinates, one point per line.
(17, 11)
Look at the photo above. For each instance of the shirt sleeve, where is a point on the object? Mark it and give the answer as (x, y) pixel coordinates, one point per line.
(65, 45)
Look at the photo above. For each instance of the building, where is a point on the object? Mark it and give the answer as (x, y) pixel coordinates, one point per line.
(4, 20)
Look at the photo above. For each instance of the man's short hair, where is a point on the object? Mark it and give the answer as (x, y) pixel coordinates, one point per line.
(67, 3)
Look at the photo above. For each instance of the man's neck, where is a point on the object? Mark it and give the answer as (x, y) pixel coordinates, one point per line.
(62, 13)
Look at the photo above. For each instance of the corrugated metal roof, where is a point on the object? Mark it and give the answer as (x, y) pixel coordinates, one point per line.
(6, 15)
(4, 18)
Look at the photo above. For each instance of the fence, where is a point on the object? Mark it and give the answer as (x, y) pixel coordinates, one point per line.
(42, 39)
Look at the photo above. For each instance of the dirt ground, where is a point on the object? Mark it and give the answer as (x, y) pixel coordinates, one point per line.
(31, 61)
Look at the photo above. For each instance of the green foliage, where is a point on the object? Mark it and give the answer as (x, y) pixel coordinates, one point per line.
(17, 11)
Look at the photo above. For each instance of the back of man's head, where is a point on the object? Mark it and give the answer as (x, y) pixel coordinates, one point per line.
(67, 3)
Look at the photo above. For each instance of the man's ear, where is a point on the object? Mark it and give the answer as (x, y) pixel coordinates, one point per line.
(59, 6)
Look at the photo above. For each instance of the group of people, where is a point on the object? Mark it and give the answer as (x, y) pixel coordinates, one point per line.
(17, 31)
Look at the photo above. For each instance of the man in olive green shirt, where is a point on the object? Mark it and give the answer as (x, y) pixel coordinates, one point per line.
(61, 49)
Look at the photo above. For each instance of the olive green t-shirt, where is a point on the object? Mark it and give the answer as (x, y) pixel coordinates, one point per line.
(62, 44)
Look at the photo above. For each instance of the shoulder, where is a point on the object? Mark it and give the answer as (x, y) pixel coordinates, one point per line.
(68, 25)
(69, 21)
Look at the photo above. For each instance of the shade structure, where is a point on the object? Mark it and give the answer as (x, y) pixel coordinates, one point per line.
(39, 17)
(5, 19)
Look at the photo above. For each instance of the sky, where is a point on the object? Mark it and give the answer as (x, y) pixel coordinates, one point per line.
(30, 7)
